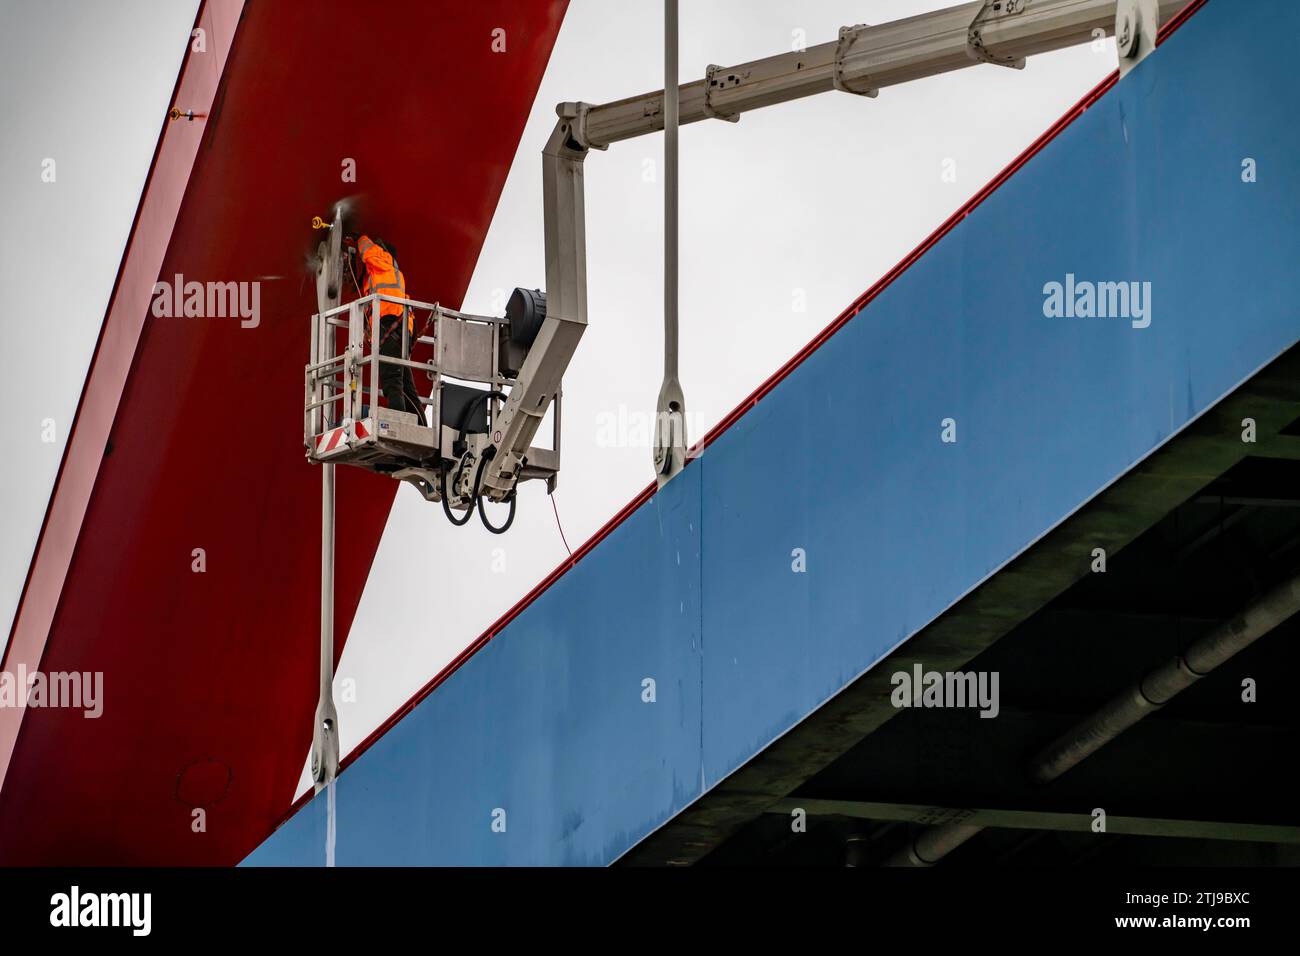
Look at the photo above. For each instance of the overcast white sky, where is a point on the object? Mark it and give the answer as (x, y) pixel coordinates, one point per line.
(85, 84)
(785, 218)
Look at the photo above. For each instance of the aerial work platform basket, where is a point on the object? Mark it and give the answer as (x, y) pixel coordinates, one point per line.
(473, 364)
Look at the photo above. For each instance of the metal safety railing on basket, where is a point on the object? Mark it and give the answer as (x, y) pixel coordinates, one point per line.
(464, 347)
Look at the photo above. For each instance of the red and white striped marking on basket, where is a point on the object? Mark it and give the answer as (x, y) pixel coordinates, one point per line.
(333, 440)
(336, 439)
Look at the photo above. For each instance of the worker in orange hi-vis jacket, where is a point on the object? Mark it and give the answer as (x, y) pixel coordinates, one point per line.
(381, 274)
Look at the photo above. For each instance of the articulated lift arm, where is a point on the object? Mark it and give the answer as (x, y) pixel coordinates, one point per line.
(862, 60)
(566, 311)
(865, 59)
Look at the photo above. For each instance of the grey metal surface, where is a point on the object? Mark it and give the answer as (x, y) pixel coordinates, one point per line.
(566, 319)
(1136, 24)
(670, 440)
(872, 57)
(325, 738)
(325, 741)
(466, 350)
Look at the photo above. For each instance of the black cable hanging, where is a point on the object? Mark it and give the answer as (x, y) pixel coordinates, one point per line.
(475, 498)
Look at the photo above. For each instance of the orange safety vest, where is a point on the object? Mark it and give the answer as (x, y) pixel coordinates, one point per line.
(383, 275)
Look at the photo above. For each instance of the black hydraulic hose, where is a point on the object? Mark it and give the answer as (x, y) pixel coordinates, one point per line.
(510, 519)
(469, 512)
(475, 499)
(474, 403)
(488, 455)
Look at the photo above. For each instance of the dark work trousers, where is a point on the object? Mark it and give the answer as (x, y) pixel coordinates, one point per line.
(396, 380)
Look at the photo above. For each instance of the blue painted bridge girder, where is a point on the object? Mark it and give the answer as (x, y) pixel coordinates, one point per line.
(695, 589)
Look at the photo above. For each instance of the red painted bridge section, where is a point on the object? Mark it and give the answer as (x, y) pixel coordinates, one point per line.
(180, 437)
